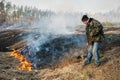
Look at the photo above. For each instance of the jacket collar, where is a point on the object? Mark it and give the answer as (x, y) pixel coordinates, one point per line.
(90, 20)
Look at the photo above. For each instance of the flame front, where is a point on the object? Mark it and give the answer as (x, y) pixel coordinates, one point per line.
(24, 64)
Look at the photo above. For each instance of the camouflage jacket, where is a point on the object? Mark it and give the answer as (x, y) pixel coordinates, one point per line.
(94, 31)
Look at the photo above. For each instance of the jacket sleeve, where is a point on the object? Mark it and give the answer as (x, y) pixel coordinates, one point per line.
(87, 37)
(87, 34)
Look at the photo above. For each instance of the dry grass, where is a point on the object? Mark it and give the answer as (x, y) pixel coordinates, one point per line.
(70, 69)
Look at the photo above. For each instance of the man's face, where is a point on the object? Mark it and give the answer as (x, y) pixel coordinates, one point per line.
(85, 22)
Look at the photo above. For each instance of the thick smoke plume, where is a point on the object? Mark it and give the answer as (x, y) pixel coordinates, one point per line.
(52, 26)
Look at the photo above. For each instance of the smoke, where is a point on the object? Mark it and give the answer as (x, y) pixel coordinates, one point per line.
(50, 37)
(51, 26)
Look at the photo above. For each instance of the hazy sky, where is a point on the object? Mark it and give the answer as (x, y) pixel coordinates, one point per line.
(91, 6)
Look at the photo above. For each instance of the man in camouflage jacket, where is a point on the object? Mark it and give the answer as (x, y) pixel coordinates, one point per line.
(95, 36)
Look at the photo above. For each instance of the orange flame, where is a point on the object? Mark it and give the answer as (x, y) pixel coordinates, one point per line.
(25, 65)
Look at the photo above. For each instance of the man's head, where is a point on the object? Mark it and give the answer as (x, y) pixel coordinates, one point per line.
(85, 19)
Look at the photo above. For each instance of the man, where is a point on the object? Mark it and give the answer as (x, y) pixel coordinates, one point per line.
(95, 36)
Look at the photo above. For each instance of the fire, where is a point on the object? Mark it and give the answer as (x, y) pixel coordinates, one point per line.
(24, 64)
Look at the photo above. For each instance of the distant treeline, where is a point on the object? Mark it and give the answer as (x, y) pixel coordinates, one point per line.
(11, 13)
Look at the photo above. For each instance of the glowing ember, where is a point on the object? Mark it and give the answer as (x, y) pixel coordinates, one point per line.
(25, 65)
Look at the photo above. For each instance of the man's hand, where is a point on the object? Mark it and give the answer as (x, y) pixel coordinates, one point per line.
(91, 34)
(87, 43)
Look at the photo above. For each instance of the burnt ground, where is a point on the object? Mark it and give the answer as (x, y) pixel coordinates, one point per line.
(109, 70)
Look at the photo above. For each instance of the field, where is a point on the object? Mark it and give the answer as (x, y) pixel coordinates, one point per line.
(109, 70)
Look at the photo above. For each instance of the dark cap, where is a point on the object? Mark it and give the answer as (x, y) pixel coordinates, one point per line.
(84, 18)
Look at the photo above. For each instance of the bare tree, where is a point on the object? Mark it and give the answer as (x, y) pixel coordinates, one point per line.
(2, 12)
